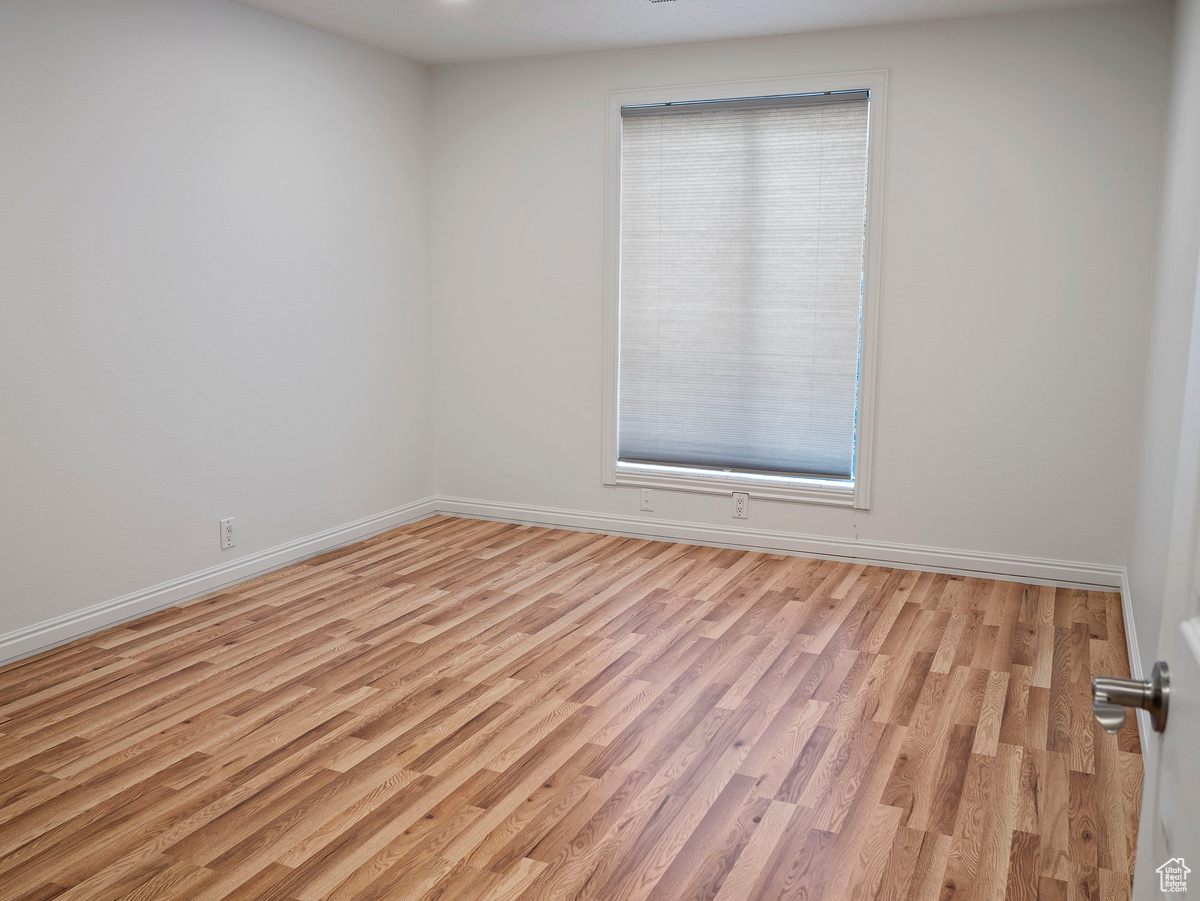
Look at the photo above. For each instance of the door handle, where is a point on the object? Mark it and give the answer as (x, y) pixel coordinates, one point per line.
(1110, 697)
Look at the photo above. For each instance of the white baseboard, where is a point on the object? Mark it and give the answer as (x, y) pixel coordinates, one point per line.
(1136, 670)
(1131, 642)
(70, 626)
(902, 556)
(31, 639)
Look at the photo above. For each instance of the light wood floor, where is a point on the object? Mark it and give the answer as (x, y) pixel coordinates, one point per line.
(464, 710)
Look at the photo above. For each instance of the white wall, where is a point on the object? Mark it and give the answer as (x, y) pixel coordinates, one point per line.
(217, 230)
(1167, 356)
(213, 292)
(1023, 173)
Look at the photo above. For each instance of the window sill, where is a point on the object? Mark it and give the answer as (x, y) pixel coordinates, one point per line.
(797, 490)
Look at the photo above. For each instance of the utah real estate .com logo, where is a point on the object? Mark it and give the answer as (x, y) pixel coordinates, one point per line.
(1172, 875)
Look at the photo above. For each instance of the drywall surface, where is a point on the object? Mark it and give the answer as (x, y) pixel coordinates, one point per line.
(1167, 358)
(1023, 177)
(213, 292)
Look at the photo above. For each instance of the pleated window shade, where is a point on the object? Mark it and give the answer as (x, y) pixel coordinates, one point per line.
(741, 276)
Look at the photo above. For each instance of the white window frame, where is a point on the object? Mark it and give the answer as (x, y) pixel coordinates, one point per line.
(805, 490)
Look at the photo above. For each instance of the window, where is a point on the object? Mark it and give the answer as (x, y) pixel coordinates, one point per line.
(742, 254)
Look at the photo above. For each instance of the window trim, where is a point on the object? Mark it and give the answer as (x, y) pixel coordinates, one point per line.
(804, 490)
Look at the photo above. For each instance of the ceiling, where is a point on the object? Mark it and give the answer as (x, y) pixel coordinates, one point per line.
(443, 31)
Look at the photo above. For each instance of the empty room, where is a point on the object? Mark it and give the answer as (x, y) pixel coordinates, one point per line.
(628, 450)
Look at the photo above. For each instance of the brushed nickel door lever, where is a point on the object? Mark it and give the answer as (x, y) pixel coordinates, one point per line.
(1110, 697)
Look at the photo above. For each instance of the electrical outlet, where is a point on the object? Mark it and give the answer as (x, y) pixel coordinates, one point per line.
(648, 499)
(741, 505)
(227, 539)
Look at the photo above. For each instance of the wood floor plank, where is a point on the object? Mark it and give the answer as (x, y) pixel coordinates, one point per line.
(1024, 868)
(861, 867)
(481, 711)
(900, 869)
(929, 875)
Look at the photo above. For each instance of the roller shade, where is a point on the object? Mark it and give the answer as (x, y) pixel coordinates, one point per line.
(741, 273)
